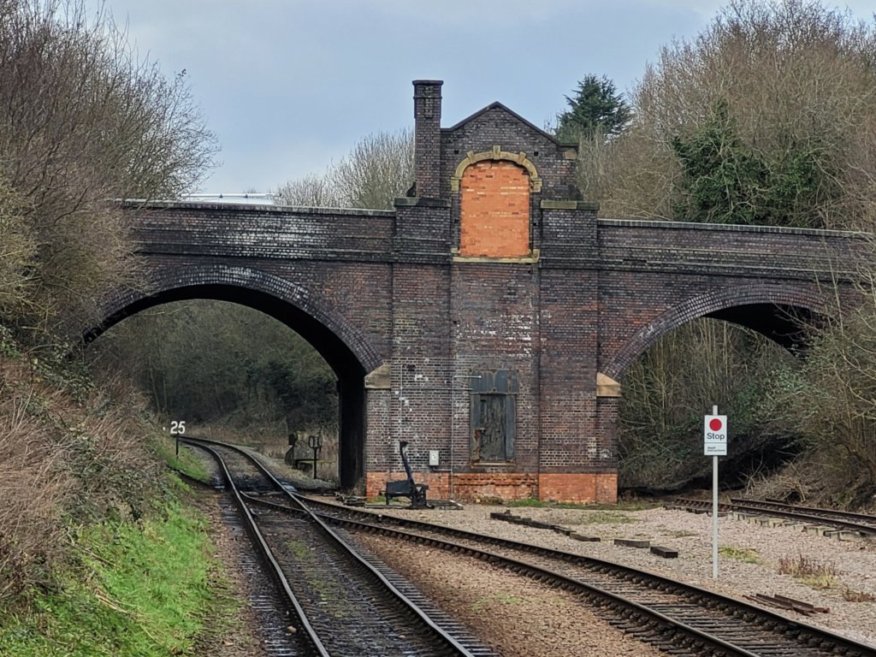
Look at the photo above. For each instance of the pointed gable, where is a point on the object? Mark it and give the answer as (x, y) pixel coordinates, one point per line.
(497, 126)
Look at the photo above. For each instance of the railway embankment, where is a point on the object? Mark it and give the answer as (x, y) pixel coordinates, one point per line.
(102, 551)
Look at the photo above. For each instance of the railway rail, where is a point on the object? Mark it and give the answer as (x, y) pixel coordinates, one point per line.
(666, 613)
(844, 520)
(678, 618)
(343, 603)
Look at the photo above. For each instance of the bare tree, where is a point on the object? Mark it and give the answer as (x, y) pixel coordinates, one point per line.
(82, 121)
(311, 191)
(831, 400)
(797, 81)
(379, 169)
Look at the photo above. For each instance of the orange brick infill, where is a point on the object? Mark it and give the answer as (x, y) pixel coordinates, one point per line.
(481, 487)
(467, 487)
(494, 210)
(584, 488)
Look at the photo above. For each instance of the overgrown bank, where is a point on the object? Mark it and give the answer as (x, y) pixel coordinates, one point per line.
(128, 588)
(100, 552)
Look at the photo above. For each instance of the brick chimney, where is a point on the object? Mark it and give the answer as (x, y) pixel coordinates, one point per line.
(427, 137)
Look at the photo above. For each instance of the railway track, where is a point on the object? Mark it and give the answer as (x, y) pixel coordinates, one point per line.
(670, 615)
(845, 520)
(343, 603)
(675, 617)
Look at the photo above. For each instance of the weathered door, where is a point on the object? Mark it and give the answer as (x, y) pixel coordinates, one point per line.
(493, 417)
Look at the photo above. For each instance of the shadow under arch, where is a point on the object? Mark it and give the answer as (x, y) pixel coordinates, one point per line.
(773, 311)
(344, 348)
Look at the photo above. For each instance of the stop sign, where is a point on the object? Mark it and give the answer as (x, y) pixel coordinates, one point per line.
(715, 435)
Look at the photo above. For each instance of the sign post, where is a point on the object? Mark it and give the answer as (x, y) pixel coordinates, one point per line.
(715, 445)
(315, 443)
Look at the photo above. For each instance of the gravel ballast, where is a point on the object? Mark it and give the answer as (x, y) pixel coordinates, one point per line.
(750, 561)
(517, 616)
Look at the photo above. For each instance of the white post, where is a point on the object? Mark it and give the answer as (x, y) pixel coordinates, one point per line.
(714, 510)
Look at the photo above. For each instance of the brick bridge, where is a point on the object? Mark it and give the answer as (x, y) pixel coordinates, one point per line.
(491, 316)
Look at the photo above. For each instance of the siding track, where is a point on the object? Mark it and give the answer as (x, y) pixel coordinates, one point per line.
(676, 617)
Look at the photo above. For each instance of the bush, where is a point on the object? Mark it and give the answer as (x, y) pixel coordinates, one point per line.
(769, 116)
(81, 122)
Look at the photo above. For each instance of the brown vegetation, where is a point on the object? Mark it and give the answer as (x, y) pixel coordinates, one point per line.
(669, 389)
(797, 82)
(81, 122)
(68, 451)
(768, 117)
(831, 400)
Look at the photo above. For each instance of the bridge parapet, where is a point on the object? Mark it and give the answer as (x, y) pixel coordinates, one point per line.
(263, 231)
(724, 250)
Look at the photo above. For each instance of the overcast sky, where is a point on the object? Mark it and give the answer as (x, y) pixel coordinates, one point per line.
(288, 86)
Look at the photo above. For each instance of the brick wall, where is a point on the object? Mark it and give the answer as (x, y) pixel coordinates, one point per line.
(494, 210)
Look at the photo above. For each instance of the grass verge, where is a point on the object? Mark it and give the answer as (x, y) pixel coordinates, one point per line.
(137, 589)
(186, 462)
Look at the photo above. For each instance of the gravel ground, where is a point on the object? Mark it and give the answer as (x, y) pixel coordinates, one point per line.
(517, 617)
(749, 563)
(741, 573)
(243, 638)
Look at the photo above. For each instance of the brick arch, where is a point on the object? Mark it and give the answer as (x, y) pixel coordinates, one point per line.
(171, 283)
(712, 303)
(497, 153)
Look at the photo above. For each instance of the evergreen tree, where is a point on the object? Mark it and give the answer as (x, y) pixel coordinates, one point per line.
(596, 108)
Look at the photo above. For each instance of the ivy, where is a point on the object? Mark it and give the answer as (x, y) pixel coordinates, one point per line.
(725, 180)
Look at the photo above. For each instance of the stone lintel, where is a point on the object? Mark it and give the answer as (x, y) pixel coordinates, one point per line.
(559, 204)
(530, 259)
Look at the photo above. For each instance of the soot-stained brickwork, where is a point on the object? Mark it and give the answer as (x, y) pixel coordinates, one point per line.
(506, 356)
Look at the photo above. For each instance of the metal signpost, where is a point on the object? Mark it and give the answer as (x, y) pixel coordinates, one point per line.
(715, 445)
(177, 428)
(315, 443)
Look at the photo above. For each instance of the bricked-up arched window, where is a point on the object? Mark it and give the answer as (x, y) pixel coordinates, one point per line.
(494, 210)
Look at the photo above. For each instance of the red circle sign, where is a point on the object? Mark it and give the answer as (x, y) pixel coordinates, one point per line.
(715, 424)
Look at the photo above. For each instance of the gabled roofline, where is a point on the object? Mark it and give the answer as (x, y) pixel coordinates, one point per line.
(498, 105)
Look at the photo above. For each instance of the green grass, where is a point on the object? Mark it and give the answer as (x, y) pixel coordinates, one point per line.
(745, 555)
(140, 590)
(186, 462)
